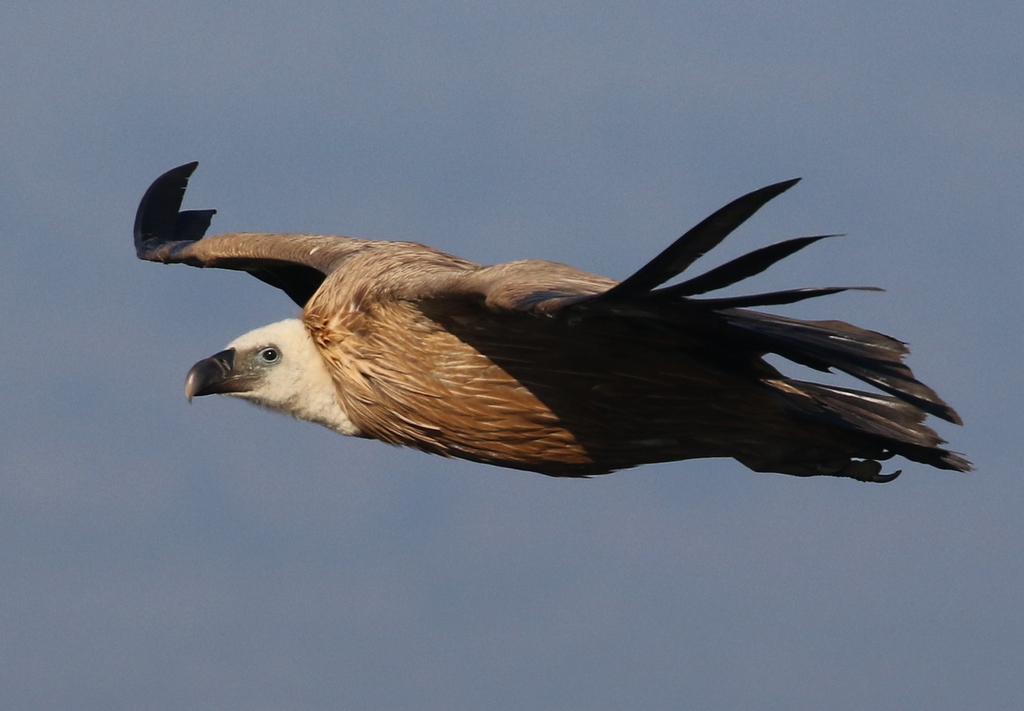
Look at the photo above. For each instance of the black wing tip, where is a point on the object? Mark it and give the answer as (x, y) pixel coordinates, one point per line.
(696, 242)
(762, 196)
(778, 298)
(743, 267)
(184, 170)
(158, 219)
(781, 186)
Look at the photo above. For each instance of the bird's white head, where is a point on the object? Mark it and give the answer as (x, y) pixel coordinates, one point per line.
(277, 367)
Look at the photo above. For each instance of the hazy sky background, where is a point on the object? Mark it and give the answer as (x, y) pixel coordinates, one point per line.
(159, 556)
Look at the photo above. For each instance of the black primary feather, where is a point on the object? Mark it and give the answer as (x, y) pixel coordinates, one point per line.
(162, 228)
(690, 247)
(159, 220)
(741, 268)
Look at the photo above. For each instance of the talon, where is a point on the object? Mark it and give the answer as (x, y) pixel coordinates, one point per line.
(886, 478)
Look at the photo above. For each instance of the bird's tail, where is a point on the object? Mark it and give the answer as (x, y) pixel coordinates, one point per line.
(894, 424)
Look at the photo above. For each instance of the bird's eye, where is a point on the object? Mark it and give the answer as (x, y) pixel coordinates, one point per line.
(270, 355)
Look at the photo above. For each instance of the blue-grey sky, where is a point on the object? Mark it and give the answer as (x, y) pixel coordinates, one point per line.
(156, 555)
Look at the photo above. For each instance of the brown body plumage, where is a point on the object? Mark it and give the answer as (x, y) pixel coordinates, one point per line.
(539, 366)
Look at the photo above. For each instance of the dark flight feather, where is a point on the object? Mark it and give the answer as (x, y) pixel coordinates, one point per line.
(741, 268)
(163, 233)
(693, 245)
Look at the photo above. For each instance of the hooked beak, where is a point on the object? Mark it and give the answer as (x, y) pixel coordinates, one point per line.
(216, 375)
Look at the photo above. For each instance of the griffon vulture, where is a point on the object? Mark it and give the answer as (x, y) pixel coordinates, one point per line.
(535, 365)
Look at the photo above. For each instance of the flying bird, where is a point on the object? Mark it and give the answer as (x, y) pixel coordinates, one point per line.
(538, 366)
